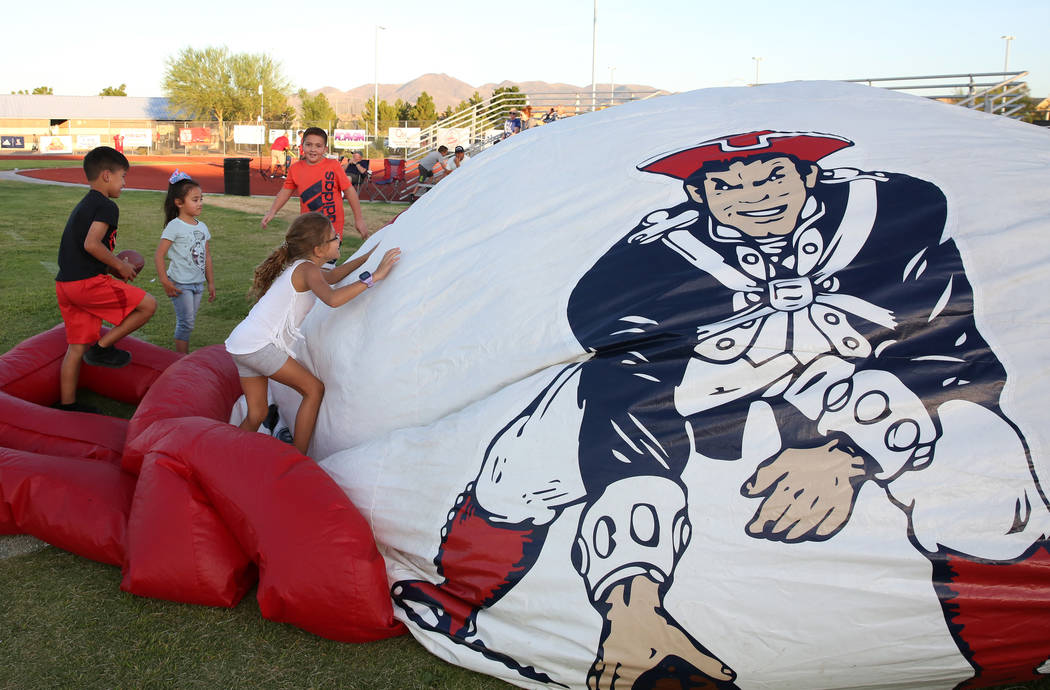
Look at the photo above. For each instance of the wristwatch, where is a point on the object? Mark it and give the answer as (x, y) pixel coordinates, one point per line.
(366, 278)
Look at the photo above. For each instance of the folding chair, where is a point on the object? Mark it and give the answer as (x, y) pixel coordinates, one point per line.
(393, 175)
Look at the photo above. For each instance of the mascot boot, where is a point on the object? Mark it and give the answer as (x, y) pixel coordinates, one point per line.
(480, 561)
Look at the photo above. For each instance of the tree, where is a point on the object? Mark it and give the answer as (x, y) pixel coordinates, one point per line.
(514, 98)
(470, 102)
(248, 72)
(424, 110)
(114, 90)
(199, 83)
(38, 91)
(388, 114)
(211, 83)
(505, 98)
(316, 111)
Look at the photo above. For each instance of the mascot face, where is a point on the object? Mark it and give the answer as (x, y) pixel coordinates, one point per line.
(600, 422)
(760, 198)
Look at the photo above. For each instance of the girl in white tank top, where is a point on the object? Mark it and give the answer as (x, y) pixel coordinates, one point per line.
(286, 285)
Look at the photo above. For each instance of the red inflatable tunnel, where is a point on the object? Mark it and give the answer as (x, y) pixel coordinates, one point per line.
(213, 507)
(60, 472)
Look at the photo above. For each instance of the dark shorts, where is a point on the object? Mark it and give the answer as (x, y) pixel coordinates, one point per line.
(85, 304)
(425, 174)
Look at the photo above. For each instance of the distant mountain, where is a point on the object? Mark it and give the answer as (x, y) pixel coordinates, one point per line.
(449, 91)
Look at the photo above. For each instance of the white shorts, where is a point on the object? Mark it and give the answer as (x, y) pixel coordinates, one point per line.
(263, 362)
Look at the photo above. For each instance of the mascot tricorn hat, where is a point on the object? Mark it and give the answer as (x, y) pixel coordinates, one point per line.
(809, 147)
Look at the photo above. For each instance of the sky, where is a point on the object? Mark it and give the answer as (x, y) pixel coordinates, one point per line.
(677, 45)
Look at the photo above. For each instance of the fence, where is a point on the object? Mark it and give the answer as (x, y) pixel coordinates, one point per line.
(993, 92)
(203, 138)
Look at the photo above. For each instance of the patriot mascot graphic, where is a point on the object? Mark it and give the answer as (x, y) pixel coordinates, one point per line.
(814, 322)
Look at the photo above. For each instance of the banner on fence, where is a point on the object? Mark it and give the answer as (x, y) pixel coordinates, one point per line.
(194, 135)
(62, 144)
(86, 142)
(349, 138)
(273, 134)
(453, 136)
(137, 137)
(403, 137)
(249, 134)
(12, 142)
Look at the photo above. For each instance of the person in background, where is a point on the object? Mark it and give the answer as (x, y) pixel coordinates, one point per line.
(432, 159)
(459, 157)
(512, 125)
(321, 183)
(357, 170)
(279, 156)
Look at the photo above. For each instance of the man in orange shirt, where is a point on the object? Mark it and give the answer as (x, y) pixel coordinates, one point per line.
(320, 182)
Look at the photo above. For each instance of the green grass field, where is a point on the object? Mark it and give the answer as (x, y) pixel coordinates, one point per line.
(11, 164)
(63, 620)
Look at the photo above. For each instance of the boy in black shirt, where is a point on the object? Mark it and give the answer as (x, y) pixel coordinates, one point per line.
(87, 294)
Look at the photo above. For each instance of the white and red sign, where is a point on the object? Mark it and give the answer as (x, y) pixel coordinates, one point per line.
(56, 144)
(453, 136)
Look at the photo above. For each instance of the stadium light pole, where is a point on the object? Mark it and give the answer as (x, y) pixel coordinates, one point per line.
(375, 93)
(1006, 65)
(594, 57)
(758, 61)
(612, 85)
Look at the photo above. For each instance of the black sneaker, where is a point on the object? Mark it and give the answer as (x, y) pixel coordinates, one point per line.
(330, 264)
(76, 407)
(107, 357)
(272, 416)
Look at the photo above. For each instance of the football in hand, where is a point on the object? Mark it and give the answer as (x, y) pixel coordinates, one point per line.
(133, 258)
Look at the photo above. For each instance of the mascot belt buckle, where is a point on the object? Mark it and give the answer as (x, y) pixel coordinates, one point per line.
(790, 294)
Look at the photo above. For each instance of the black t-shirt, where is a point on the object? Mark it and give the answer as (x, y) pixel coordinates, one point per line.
(353, 173)
(74, 263)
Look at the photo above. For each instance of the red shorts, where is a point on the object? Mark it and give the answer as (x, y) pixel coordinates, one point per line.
(85, 304)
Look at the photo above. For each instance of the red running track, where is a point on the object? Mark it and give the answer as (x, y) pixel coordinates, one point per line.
(152, 172)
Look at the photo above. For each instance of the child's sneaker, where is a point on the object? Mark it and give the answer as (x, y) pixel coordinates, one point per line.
(107, 357)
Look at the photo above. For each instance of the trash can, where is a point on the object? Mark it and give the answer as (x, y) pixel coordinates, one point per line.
(236, 176)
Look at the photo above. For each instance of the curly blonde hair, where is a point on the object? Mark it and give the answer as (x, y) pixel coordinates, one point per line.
(306, 232)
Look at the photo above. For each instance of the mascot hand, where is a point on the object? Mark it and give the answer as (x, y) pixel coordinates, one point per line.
(638, 635)
(808, 493)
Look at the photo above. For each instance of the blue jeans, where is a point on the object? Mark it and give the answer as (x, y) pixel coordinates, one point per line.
(186, 305)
